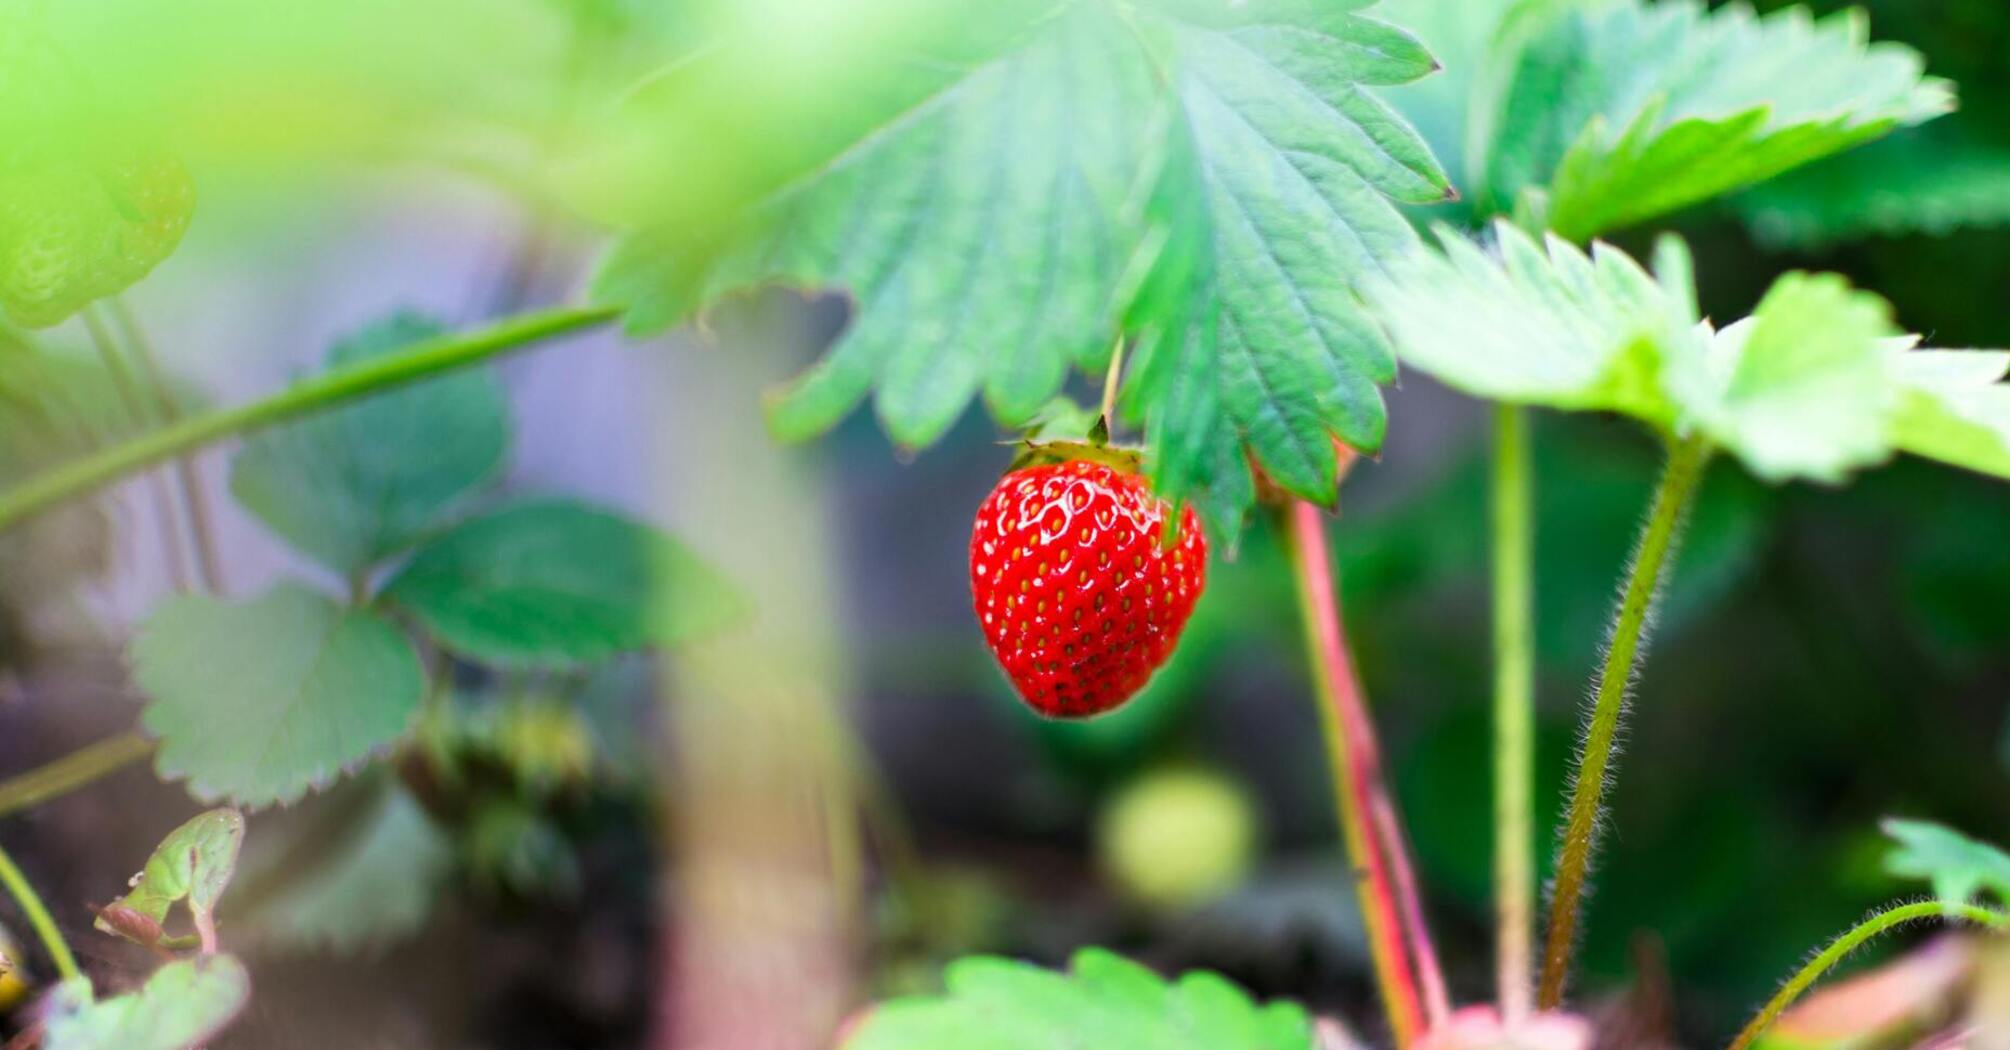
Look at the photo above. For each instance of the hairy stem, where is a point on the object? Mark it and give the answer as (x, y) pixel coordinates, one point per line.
(202, 536)
(1514, 713)
(86, 765)
(38, 917)
(1659, 538)
(421, 360)
(1854, 938)
(1397, 940)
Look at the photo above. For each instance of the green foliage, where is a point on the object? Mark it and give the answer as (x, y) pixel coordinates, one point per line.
(308, 691)
(374, 884)
(1960, 868)
(1634, 111)
(998, 1004)
(1815, 384)
(359, 484)
(193, 864)
(559, 584)
(183, 1004)
(1915, 182)
(988, 240)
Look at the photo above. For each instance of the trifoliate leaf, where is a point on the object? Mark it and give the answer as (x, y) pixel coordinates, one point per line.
(1956, 408)
(183, 1004)
(194, 864)
(1622, 111)
(373, 886)
(1815, 384)
(993, 236)
(1914, 182)
(1103, 1001)
(356, 485)
(557, 584)
(1960, 868)
(259, 701)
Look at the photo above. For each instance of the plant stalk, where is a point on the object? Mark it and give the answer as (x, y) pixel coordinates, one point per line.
(86, 765)
(38, 917)
(202, 536)
(1659, 538)
(1854, 938)
(1398, 942)
(421, 360)
(1514, 713)
(126, 386)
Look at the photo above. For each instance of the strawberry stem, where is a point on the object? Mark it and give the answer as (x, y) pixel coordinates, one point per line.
(79, 768)
(1112, 379)
(1406, 966)
(1514, 713)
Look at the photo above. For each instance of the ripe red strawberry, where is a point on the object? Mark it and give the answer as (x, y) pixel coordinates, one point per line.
(1079, 598)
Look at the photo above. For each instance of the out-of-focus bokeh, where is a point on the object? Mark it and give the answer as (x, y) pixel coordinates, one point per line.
(1826, 657)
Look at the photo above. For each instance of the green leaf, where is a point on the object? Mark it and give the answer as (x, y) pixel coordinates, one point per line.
(1815, 384)
(1545, 324)
(193, 863)
(994, 236)
(1805, 387)
(183, 1004)
(374, 886)
(365, 481)
(1622, 111)
(1956, 408)
(1914, 182)
(1104, 1001)
(560, 584)
(1960, 868)
(259, 701)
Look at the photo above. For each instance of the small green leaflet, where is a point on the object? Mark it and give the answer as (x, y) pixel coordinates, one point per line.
(183, 1004)
(194, 864)
(1960, 868)
(308, 691)
(1103, 1001)
(1224, 161)
(1815, 384)
(560, 584)
(1622, 111)
(359, 484)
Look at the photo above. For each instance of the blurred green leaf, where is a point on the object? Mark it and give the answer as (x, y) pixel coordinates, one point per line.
(259, 701)
(1103, 1001)
(1960, 868)
(183, 1004)
(376, 886)
(1914, 182)
(193, 863)
(363, 482)
(1804, 388)
(991, 238)
(1957, 409)
(560, 584)
(1623, 111)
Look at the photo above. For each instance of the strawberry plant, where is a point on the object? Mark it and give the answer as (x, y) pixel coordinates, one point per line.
(1226, 226)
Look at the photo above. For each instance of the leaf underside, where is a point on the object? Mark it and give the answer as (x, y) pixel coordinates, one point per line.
(1003, 231)
(1815, 384)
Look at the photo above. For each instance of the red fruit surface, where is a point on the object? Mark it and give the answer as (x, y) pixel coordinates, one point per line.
(1079, 597)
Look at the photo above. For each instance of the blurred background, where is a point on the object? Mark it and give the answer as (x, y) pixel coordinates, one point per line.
(1827, 657)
